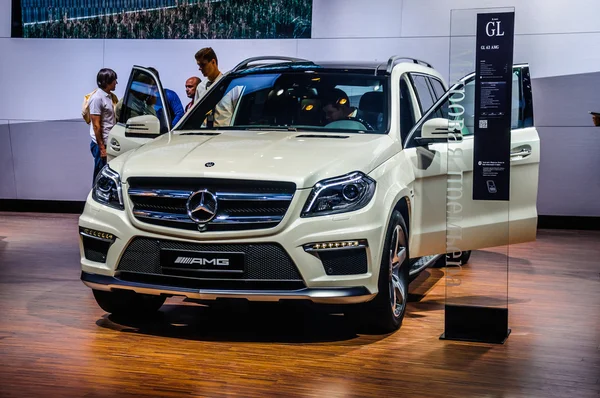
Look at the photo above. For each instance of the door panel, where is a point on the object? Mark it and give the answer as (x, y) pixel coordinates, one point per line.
(144, 95)
(443, 201)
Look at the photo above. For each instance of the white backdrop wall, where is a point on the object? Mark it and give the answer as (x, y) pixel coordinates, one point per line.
(44, 147)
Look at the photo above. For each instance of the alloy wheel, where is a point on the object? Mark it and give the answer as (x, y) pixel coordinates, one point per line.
(397, 276)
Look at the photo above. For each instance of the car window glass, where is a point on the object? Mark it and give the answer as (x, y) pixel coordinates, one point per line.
(142, 97)
(407, 112)
(526, 105)
(438, 87)
(324, 102)
(520, 116)
(423, 92)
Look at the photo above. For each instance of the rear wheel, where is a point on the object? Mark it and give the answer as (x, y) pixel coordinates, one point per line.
(386, 311)
(128, 303)
(464, 257)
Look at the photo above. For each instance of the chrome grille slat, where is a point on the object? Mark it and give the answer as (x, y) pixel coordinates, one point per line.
(184, 194)
(161, 193)
(246, 219)
(253, 196)
(159, 215)
(242, 205)
(225, 219)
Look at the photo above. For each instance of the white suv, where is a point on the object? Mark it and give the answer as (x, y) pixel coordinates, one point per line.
(296, 180)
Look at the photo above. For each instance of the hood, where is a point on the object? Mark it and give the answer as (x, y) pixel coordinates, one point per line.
(303, 158)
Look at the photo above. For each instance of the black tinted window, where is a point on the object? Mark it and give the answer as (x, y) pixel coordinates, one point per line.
(142, 98)
(407, 114)
(424, 95)
(438, 88)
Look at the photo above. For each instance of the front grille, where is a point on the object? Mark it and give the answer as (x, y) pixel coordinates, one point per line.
(264, 262)
(344, 262)
(241, 204)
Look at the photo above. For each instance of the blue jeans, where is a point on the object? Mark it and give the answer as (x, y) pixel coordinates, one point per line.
(99, 162)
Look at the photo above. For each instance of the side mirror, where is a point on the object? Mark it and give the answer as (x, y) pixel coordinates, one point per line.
(146, 126)
(438, 130)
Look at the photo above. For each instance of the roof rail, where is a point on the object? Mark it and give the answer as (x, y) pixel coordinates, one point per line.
(244, 64)
(392, 61)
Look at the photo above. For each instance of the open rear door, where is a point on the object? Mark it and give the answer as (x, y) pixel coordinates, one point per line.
(144, 96)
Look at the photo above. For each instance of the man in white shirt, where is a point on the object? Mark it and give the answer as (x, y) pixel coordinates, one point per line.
(209, 66)
(102, 115)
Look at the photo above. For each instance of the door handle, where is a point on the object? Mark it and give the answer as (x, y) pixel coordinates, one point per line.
(519, 154)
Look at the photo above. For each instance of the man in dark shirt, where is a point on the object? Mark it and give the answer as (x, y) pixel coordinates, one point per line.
(173, 102)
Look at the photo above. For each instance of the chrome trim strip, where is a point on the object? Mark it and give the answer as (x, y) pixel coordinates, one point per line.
(349, 295)
(254, 196)
(160, 193)
(96, 237)
(159, 215)
(184, 194)
(224, 219)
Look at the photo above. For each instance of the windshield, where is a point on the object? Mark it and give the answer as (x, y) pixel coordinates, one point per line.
(295, 101)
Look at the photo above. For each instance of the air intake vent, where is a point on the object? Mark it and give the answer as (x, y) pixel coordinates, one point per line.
(321, 136)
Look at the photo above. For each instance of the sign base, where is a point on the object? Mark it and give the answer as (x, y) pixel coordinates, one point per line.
(476, 324)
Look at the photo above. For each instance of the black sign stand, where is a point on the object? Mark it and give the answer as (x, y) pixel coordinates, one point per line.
(491, 160)
(493, 93)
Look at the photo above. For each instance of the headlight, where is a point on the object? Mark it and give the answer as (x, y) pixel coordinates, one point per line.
(107, 188)
(339, 195)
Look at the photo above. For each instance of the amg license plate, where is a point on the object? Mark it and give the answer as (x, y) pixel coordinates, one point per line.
(202, 261)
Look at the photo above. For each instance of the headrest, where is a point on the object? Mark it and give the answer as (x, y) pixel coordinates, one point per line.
(372, 101)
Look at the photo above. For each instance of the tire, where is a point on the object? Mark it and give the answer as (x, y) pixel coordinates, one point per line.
(384, 314)
(128, 303)
(464, 258)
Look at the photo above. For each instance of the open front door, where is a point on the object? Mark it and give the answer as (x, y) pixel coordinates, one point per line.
(438, 194)
(141, 115)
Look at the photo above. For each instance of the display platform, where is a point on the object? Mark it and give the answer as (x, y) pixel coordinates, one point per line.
(56, 341)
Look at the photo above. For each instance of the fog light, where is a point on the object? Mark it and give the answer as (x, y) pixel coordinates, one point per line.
(96, 244)
(92, 233)
(335, 245)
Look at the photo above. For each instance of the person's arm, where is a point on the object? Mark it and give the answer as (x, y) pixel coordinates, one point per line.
(98, 133)
(176, 107)
(95, 112)
(225, 108)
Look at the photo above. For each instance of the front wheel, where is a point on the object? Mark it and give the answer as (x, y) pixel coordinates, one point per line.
(128, 303)
(386, 311)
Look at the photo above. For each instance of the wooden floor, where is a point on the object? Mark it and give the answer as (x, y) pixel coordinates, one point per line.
(55, 340)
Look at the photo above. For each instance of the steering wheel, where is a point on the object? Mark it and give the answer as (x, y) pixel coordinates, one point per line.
(352, 119)
(361, 121)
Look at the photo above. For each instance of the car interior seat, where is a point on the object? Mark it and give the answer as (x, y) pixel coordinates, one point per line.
(371, 105)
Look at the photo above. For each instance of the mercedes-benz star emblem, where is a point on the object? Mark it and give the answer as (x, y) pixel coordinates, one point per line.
(202, 206)
(209, 164)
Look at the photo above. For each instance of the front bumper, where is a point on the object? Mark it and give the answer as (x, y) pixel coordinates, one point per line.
(350, 295)
(291, 234)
